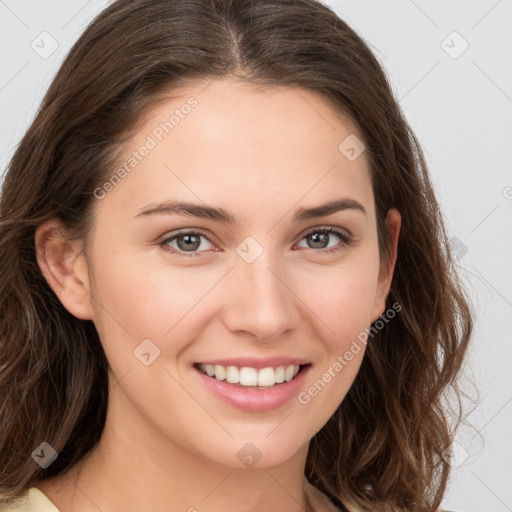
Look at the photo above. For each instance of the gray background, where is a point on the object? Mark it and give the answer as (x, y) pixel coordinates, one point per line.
(459, 103)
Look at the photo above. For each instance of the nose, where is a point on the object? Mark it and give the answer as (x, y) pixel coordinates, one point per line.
(262, 302)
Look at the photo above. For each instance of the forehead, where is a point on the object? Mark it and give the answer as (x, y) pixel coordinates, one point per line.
(239, 146)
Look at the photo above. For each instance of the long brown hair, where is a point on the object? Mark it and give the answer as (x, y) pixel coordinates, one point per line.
(383, 447)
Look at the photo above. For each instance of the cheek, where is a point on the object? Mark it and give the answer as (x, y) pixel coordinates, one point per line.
(341, 298)
(137, 301)
(139, 294)
(342, 312)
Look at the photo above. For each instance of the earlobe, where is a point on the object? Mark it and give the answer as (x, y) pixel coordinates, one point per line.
(393, 223)
(64, 267)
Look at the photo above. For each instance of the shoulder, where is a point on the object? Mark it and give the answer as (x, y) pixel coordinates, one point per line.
(32, 500)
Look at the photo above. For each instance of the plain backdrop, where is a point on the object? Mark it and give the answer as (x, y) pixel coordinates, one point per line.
(449, 62)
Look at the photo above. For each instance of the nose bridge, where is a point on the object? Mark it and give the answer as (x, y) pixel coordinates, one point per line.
(263, 303)
(262, 281)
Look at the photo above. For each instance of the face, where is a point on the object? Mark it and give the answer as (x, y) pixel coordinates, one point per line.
(175, 287)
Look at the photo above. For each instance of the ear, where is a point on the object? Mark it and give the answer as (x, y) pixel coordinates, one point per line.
(393, 223)
(64, 267)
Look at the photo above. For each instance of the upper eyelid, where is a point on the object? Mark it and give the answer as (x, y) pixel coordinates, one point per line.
(321, 227)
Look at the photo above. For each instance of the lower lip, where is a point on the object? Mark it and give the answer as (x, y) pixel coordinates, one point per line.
(253, 399)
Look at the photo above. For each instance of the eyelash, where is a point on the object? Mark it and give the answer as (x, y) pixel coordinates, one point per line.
(346, 241)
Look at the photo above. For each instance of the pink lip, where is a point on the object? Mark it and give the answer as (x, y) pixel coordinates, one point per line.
(254, 362)
(255, 400)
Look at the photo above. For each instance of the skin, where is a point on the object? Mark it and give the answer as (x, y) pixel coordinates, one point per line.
(168, 443)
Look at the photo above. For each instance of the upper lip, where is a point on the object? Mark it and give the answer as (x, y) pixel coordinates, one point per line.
(255, 362)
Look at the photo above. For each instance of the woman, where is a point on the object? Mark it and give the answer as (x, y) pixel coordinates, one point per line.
(226, 277)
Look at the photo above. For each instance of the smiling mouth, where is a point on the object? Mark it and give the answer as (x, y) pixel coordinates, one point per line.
(252, 378)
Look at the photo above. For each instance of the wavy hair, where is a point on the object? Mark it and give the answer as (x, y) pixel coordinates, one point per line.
(382, 449)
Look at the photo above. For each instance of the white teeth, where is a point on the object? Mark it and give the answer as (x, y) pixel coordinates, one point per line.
(232, 374)
(247, 376)
(288, 373)
(220, 372)
(265, 377)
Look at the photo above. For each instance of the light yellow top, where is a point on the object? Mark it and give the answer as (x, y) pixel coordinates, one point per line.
(33, 500)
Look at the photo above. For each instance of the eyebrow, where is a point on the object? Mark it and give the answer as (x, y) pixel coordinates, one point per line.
(222, 215)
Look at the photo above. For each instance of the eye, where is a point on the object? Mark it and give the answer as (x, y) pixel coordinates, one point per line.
(188, 241)
(321, 236)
